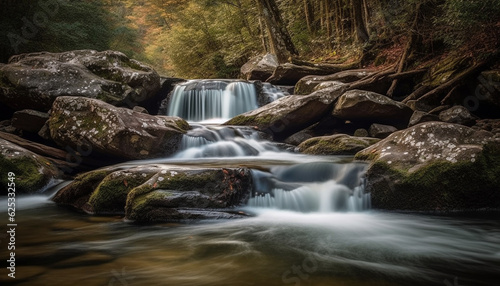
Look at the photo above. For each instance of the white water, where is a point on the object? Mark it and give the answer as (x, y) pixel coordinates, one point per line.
(310, 225)
(212, 100)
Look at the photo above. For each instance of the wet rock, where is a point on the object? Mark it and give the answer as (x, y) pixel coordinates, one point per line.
(85, 123)
(338, 144)
(260, 67)
(290, 114)
(381, 131)
(361, 132)
(157, 193)
(308, 84)
(29, 120)
(370, 107)
(34, 81)
(421, 117)
(491, 125)
(298, 138)
(459, 115)
(434, 166)
(32, 173)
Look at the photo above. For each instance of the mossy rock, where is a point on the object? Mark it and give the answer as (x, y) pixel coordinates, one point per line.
(438, 186)
(154, 192)
(288, 115)
(33, 173)
(434, 166)
(339, 144)
(179, 194)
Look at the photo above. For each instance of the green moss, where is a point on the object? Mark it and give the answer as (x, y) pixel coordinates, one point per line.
(343, 145)
(29, 178)
(446, 69)
(110, 196)
(439, 185)
(257, 120)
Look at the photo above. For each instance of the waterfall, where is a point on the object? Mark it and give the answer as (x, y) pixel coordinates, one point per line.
(338, 189)
(216, 141)
(203, 100)
(217, 101)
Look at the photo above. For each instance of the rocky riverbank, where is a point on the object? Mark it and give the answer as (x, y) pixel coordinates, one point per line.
(68, 114)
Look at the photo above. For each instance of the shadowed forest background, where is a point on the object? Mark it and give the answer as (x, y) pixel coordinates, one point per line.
(214, 38)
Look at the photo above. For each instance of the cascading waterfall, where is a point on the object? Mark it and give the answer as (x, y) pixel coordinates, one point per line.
(322, 186)
(211, 141)
(202, 100)
(218, 100)
(339, 188)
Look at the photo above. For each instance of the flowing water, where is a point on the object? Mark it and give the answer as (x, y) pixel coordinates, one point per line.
(309, 223)
(218, 100)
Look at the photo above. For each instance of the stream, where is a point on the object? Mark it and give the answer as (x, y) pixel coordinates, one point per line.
(309, 223)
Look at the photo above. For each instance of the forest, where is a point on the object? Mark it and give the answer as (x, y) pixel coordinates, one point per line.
(214, 38)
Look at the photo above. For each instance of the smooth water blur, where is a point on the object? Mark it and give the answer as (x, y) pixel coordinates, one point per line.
(274, 247)
(308, 223)
(202, 100)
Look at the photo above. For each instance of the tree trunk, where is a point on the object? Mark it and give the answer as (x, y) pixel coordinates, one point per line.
(279, 39)
(358, 22)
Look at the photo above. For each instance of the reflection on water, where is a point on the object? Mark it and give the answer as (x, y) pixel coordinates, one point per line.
(274, 247)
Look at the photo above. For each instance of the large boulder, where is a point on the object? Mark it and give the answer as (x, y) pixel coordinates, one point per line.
(369, 107)
(308, 84)
(290, 114)
(434, 166)
(31, 172)
(459, 115)
(114, 131)
(260, 67)
(338, 144)
(34, 81)
(158, 193)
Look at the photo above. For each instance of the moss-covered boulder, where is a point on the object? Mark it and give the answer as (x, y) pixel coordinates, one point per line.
(33, 173)
(157, 193)
(338, 144)
(370, 107)
(290, 114)
(118, 132)
(434, 166)
(34, 81)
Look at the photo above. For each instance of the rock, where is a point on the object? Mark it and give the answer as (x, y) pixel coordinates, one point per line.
(307, 84)
(421, 117)
(118, 132)
(32, 173)
(29, 120)
(290, 114)
(298, 138)
(260, 67)
(338, 144)
(158, 104)
(158, 193)
(140, 109)
(434, 166)
(370, 107)
(34, 81)
(361, 132)
(491, 125)
(459, 115)
(381, 131)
